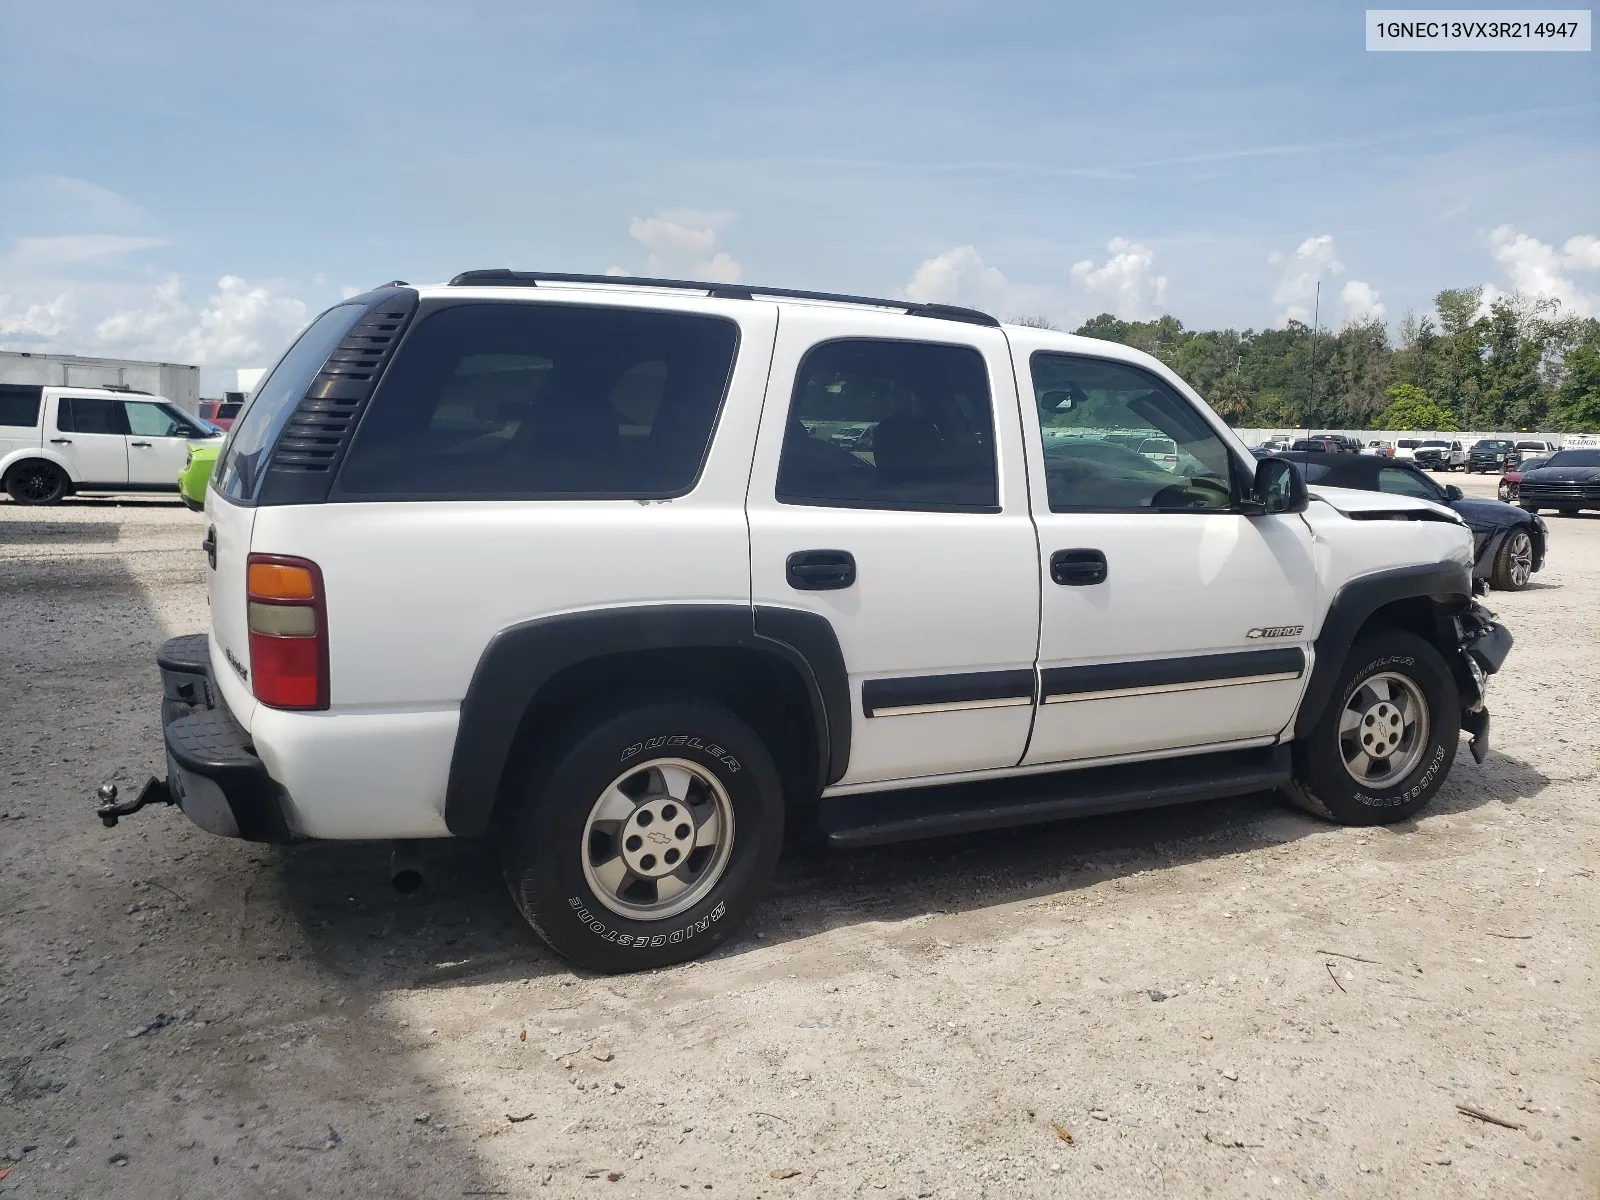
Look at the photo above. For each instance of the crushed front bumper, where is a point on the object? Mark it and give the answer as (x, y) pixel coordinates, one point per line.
(1483, 644)
(213, 772)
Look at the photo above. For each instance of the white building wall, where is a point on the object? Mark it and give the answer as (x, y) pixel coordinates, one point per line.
(178, 382)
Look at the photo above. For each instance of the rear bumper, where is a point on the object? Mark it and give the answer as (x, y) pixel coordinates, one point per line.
(213, 772)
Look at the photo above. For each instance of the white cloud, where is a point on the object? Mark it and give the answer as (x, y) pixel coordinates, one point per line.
(684, 245)
(1361, 302)
(960, 276)
(1125, 284)
(319, 278)
(77, 248)
(1539, 271)
(36, 320)
(1582, 252)
(1297, 287)
(240, 323)
(348, 290)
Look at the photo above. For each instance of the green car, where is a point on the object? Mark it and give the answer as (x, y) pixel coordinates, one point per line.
(196, 474)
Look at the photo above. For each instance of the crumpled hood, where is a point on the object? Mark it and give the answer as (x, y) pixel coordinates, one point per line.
(1362, 504)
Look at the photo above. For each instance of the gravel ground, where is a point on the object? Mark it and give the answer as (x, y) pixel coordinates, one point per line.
(1230, 998)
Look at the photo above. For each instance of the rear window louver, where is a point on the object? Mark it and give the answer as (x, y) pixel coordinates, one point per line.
(316, 437)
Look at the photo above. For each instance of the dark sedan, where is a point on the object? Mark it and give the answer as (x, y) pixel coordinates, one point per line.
(1509, 543)
(1568, 482)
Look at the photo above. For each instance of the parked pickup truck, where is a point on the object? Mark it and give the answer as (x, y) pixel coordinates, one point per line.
(577, 564)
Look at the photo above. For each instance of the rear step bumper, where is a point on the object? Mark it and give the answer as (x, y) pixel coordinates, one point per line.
(865, 819)
(213, 772)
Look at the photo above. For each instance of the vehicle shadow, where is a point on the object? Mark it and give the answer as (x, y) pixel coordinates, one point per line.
(159, 1000)
(463, 929)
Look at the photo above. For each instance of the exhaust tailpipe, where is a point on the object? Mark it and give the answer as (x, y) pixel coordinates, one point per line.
(405, 869)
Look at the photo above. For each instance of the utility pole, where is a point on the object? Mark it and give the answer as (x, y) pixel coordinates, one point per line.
(1316, 320)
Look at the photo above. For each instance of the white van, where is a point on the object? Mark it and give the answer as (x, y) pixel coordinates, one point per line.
(56, 442)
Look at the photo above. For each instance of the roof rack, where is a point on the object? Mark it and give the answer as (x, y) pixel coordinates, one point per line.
(502, 277)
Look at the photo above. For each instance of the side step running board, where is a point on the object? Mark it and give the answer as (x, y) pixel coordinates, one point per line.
(875, 818)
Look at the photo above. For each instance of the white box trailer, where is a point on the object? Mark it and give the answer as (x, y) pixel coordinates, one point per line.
(178, 382)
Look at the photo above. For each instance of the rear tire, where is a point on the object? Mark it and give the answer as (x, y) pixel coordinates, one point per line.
(36, 482)
(681, 772)
(1395, 697)
(1513, 562)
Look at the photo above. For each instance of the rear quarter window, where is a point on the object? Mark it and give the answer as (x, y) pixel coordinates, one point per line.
(244, 458)
(19, 405)
(519, 400)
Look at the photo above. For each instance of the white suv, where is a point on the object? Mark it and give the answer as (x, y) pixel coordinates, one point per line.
(55, 442)
(630, 576)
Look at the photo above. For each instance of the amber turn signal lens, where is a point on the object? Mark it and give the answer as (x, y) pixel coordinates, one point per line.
(275, 581)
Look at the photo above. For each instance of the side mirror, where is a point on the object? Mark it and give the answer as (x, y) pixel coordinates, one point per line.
(1452, 492)
(1279, 487)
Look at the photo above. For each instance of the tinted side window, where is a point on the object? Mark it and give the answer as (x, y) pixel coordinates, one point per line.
(238, 474)
(19, 404)
(90, 414)
(1097, 418)
(1404, 483)
(881, 424)
(544, 401)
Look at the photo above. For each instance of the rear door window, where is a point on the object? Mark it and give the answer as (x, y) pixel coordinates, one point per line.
(90, 414)
(886, 424)
(238, 474)
(544, 401)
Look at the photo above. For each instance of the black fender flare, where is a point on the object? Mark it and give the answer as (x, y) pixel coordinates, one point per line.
(1448, 585)
(521, 659)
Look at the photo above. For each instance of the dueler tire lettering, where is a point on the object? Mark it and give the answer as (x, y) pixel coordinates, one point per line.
(686, 741)
(1320, 782)
(543, 841)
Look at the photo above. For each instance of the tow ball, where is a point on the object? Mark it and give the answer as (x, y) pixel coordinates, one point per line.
(153, 792)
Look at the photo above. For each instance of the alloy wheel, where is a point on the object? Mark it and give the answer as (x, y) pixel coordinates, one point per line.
(1521, 556)
(1383, 729)
(658, 839)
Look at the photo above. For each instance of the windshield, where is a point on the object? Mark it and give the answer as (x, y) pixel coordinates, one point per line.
(1575, 458)
(1491, 444)
(1431, 443)
(1408, 443)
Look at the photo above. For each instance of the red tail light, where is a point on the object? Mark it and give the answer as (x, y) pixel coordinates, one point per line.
(288, 632)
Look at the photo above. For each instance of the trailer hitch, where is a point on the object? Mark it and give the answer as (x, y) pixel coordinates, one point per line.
(153, 792)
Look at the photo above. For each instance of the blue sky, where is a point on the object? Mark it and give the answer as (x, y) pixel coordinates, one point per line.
(193, 181)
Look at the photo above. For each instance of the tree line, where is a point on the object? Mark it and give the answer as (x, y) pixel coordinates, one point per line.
(1515, 364)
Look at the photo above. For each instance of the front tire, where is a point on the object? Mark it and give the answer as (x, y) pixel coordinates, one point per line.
(1513, 562)
(645, 837)
(1387, 740)
(36, 483)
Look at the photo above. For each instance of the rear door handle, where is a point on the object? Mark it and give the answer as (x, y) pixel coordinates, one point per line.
(61, 441)
(138, 443)
(820, 570)
(1078, 568)
(210, 546)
